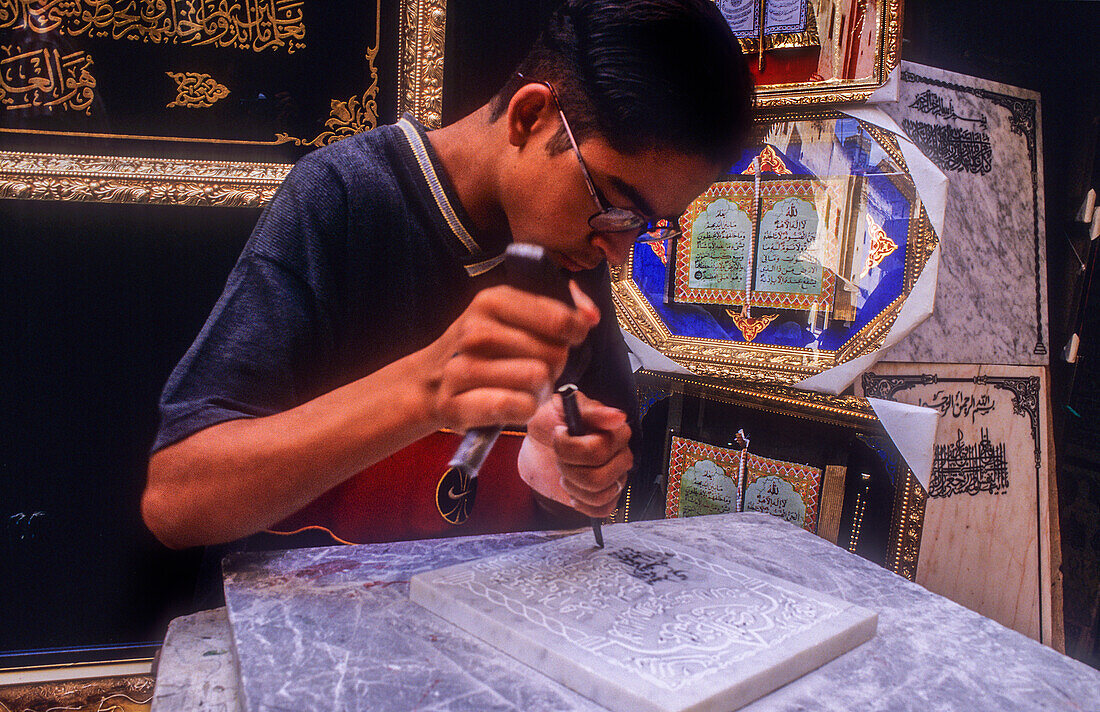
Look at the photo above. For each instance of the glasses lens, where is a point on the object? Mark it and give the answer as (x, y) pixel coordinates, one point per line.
(659, 230)
(616, 220)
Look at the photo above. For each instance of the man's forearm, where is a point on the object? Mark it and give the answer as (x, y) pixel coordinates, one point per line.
(241, 476)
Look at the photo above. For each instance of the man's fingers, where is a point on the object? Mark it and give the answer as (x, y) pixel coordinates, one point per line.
(466, 373)
(582, 481)
(543, 316)
(593, 450)
(488, 406)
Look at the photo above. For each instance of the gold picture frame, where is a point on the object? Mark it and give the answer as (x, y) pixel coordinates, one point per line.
(886, 55)
(208, 183)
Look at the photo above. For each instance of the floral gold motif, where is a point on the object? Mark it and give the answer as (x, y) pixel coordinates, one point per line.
(196, 91)
(110, 179)
(770, 162)
(881, 247)
(750, 326)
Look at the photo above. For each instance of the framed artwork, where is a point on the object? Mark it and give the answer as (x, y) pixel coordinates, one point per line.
(806, 52)
(798, 260)
(708, 479)
(821, 462)
(201, 103)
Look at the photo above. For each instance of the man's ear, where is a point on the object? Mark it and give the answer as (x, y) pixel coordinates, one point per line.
(530, 112)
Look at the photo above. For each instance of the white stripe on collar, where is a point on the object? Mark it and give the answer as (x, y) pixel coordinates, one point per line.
(416, 143)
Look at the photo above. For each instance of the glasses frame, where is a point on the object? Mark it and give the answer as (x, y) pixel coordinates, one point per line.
(608, 218)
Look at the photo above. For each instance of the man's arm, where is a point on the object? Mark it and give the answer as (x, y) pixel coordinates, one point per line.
(494, 364)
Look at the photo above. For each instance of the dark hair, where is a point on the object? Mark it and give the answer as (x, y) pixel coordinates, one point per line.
(643, 74)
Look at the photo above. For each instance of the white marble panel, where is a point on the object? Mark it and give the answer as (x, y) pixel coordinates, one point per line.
(991, 297)
(645, 624)
(197, 669)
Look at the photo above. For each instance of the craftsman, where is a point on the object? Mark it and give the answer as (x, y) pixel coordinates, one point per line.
(367, 311)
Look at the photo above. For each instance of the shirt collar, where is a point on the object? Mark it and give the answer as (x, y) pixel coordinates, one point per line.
(475, 259)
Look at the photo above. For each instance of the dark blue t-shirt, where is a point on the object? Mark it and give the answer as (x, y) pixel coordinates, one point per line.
(364, 256)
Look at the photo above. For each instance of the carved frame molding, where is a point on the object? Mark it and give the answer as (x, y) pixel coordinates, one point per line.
(159, 181)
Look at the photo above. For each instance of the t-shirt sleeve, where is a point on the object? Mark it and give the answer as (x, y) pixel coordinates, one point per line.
(248, 360)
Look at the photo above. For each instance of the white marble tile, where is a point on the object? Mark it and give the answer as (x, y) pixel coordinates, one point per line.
(991, 297)
(645, 624)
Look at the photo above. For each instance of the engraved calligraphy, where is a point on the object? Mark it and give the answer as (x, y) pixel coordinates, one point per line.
(255, 25)
(648, 566)
(952, 148)
(959, 404)
(928, 102)
(46, 78)
(959, 468)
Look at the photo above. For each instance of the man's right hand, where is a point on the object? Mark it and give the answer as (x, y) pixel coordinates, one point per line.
(498, 361)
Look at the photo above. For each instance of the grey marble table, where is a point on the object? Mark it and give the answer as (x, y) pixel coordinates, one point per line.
(333, 629)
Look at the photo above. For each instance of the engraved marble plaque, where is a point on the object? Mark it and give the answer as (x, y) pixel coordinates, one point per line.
(991, 294)
(645, 624)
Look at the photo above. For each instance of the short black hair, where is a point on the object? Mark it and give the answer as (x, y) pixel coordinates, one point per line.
(643, 74)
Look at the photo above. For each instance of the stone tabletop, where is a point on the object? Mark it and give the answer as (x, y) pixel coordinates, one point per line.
(334, 629)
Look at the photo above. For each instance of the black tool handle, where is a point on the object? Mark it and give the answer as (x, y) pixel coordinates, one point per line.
(575, 425)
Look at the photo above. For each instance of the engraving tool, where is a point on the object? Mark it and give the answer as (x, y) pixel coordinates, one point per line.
(529, 268)
(575, 425)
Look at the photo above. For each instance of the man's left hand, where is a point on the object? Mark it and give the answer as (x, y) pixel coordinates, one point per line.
(586, 472)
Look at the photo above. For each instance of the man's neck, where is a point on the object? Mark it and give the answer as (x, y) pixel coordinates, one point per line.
(468, 150)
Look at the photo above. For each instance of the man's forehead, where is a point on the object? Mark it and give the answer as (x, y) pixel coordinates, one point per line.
(659, 181)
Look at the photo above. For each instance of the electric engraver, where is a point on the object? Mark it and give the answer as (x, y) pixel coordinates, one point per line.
(529, 268)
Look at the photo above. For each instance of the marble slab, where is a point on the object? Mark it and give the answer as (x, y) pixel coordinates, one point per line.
(987, 536)
(197, 670)
(991, 296)
(301, 645)
(333, 629)
(645, 624)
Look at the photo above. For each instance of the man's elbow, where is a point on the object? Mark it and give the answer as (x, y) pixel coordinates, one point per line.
(161, 517)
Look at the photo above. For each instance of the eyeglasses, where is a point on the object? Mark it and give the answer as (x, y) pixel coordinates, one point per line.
(608, 218)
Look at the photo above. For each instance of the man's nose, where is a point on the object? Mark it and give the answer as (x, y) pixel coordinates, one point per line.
(614, 245)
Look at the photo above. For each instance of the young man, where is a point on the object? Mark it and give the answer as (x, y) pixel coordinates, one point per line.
(367, 312)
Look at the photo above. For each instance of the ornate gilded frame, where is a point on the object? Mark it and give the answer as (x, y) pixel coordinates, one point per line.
(840, 91)
(763, 363)
(117, 179)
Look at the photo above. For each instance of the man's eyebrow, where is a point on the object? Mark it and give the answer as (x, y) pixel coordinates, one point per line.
(632, 193)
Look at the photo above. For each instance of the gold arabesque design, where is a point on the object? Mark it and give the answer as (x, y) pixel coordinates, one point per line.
(906, 525)
(43, 79)
(255, 25)
(750, 326)
(196, 91)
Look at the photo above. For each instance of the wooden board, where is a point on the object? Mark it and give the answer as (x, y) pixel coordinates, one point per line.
(987, 541)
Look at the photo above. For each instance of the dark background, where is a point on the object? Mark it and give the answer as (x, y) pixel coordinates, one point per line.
(100, 301)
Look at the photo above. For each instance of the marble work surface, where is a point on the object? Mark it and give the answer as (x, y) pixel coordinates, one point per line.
(197, 670)
(333, 629)
(991, 296)
(645, 624)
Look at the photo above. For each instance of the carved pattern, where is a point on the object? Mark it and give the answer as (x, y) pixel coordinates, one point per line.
(196, 91)
(423, 31)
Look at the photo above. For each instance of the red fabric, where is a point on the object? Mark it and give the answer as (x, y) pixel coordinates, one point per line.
(395, 499)
(785, 66)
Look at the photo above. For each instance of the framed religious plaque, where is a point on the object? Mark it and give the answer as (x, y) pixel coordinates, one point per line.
(824, 463)
(798, 260)
(201, 103)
